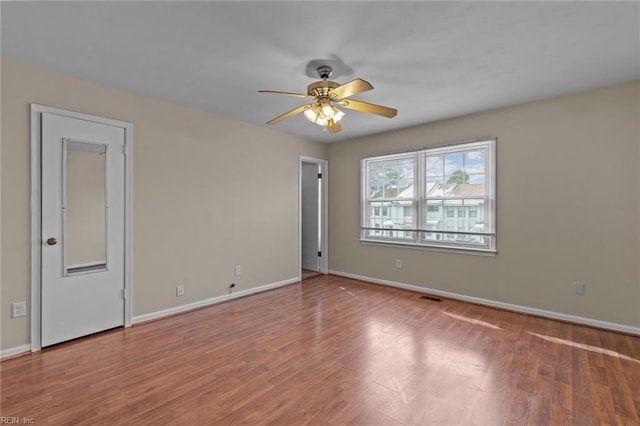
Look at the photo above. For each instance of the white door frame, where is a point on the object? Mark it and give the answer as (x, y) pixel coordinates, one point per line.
(36, 212)
(324, 213)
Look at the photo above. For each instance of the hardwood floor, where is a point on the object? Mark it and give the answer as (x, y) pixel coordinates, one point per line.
(306, 273)
(332, 350)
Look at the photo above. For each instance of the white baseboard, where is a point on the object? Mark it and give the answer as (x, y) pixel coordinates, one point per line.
(493, 303)
(171, 311)
(212, 301)
(508, 306)
(14, 351)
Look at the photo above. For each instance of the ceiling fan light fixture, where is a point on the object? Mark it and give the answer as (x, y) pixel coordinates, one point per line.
(321, 115)
(327, 111)
(337, 115)
(314, 115)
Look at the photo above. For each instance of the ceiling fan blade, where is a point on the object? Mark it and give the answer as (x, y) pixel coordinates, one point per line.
(289, 114)
(351, 88)
(370, 108)
(334, 127)
(297, 95)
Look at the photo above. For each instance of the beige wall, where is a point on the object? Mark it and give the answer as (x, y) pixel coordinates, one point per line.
(208, 193)
(567, 207)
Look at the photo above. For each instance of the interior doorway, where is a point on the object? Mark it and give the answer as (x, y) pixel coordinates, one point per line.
(313, 255)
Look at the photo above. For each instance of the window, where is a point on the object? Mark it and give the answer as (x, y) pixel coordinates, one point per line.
(441, 197)
(390, 186)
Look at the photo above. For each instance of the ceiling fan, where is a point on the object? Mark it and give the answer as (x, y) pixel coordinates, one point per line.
(327, 94)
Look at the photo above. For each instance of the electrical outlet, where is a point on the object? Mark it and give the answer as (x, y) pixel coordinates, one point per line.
(580, 288)
(398, 263)
(18, 309)
(179, 290)
(237, 270)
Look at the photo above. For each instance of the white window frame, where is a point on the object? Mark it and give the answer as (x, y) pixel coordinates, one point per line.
(387, 235)
(419, 202)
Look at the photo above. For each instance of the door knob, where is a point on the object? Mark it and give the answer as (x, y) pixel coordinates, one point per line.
(52, 241)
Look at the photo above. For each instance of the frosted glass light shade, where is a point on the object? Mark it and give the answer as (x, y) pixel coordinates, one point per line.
(314, 115)
(318, 115)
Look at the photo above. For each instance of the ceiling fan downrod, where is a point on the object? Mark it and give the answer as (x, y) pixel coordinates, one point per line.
(325, 71)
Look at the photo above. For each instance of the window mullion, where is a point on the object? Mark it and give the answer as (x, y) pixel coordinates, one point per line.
(421, 178)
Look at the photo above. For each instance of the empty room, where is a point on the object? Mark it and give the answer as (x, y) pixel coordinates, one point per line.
(325, 213)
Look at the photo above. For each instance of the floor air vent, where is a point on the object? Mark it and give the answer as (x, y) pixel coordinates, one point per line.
(431, 298)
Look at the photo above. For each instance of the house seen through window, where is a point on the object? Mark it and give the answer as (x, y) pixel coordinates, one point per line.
(439, 197)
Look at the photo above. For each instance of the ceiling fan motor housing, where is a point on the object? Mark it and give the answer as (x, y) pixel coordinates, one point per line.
(321, 88)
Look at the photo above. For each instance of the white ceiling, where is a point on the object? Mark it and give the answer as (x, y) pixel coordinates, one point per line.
(430, 60)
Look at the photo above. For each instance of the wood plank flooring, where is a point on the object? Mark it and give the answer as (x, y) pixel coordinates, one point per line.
(330, 351)
(306, 273)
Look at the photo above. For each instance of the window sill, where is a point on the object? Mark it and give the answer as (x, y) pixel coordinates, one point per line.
(442, 249)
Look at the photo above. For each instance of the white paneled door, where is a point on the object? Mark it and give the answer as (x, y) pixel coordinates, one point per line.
(83, 228)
